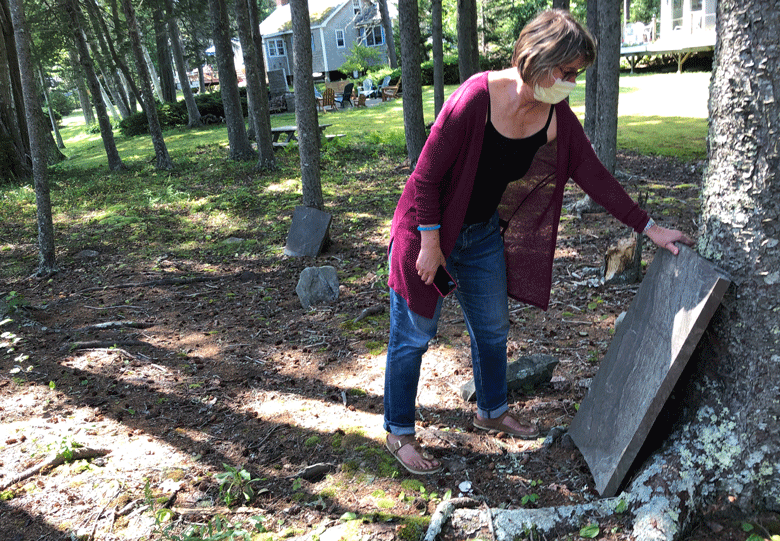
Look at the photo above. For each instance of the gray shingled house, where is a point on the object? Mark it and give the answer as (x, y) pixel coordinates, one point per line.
(335, 26)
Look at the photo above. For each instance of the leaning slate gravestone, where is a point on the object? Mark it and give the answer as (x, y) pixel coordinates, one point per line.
(308, 232)
(671, 310)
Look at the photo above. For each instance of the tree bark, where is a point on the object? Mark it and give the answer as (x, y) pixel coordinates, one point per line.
(74, 14)
(414, 123)
(305, 106)
(468, 44)
(740, 213)
(240, 147)
(193, 114)
(14, 141)
(265, 147)
(46, 261)
(389, 38)
(437, 36)
(160, 149)
(163, 50)
(81, 88)
(101, 28)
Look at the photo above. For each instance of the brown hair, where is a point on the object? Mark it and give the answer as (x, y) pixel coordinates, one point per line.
(552, 39)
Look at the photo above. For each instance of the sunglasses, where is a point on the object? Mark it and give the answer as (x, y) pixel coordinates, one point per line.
(568, 74)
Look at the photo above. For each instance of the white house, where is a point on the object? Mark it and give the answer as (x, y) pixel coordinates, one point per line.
(686, 26)
(335, 26)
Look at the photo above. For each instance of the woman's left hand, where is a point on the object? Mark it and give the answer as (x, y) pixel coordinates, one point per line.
(665, 238)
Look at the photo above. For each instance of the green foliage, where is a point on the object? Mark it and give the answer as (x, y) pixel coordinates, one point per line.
(62, 103)
(235, 484)
(174, 115)
(591, 531)
(360, 58)
(451, 73)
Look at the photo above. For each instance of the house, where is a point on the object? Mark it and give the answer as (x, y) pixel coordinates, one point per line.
(686, 26)
(335, 26)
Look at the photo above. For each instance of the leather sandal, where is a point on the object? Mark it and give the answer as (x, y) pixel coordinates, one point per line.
(528, 432)
(409, 439)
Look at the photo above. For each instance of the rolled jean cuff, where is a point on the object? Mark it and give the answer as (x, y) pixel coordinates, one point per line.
(399, 430)
(493, 414)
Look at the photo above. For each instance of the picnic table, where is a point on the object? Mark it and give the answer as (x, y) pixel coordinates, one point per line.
(287, 134)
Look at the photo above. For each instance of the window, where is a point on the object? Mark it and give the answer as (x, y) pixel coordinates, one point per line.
(275, 47)
(356, 6)
(374, 36)
(340, 41)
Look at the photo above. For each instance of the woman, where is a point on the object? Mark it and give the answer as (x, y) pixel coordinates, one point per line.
(484, 202)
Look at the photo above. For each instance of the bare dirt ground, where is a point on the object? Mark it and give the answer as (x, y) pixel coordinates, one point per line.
(212, 364)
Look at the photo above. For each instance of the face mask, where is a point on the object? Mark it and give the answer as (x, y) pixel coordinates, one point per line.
(559, 91)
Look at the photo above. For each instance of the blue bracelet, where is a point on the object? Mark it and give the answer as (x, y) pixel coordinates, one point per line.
(428, 228)
(650, 223)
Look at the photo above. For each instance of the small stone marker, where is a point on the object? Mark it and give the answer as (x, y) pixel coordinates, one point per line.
(317, 285)
(651, 347)
(523, 372)
(308, 232)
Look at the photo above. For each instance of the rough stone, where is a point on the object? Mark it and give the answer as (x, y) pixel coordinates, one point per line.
(522, 373)
(664, 323)
(308, 232)
(317, 285)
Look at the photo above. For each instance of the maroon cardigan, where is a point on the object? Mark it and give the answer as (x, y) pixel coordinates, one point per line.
(439, 189)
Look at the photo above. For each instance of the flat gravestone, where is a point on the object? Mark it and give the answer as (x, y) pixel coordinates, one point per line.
(277, 84)
(308, 232)
(665, 321)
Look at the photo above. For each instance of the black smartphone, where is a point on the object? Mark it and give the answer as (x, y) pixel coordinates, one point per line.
(443, 282)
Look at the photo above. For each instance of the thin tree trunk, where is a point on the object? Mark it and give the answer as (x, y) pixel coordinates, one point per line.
(152, 73)
(81, 88)
(74, 15)
(193, 114)
(46, 260)
(468, 51)
(14, 140)
(437, 36)
(54, 128)
(240, 147)
(305, 106)
(163, 49)
(265, 147)
(389, 38)
(414, 123)
(160, 149)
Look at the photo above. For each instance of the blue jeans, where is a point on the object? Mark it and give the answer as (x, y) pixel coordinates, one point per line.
(477, 264)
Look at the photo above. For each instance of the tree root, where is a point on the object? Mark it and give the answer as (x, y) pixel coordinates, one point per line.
(443, 512)
(53, 461)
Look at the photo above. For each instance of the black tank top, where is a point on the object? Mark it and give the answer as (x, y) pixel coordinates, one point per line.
(501, 161)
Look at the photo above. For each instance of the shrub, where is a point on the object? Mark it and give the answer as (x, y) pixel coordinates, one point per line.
(451, 71)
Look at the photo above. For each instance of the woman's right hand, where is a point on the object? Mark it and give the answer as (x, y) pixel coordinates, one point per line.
(430, 257)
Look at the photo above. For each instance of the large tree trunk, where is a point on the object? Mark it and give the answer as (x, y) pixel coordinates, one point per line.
(32, 107)
(160, 150)
(437, 36)
(414, 122)
(74, 20)
(240, 147)
(388, 27)
(740, 213)
(468, 45)
(193, 114)
(305, 106)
